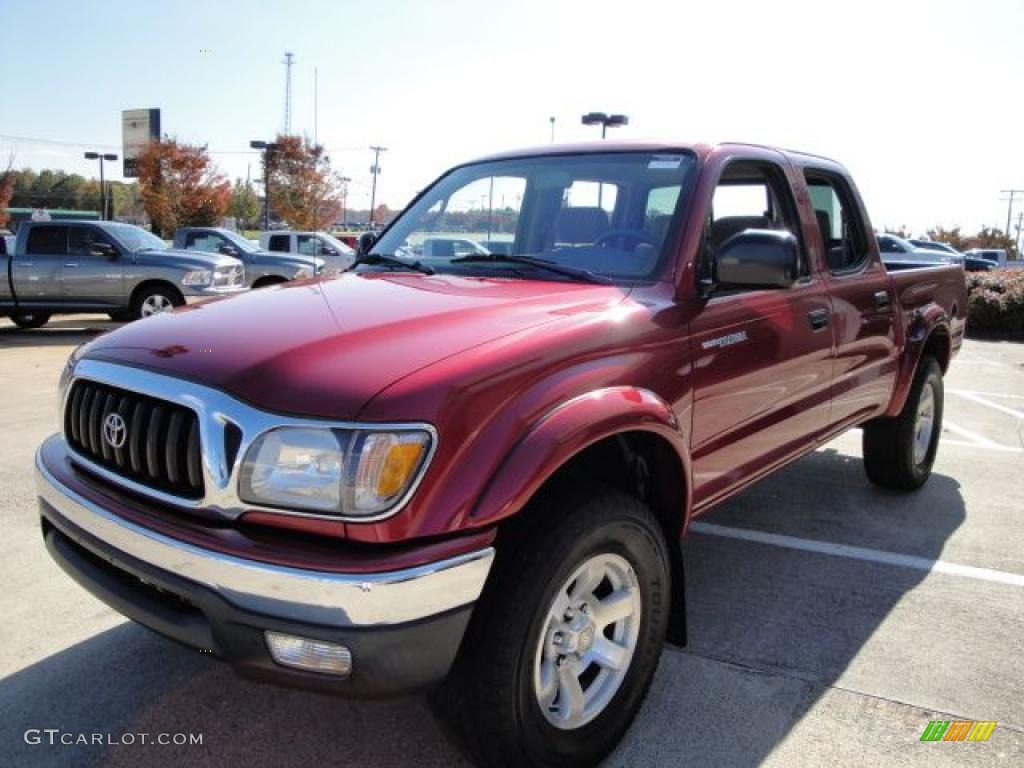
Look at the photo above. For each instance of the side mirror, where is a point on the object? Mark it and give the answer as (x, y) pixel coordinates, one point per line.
(229, 250)
(104, 250)
(328, 251)
(366, 241)
(758, 258)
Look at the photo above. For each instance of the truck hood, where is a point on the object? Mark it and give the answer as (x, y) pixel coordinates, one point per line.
(184, 259)
(324, 348)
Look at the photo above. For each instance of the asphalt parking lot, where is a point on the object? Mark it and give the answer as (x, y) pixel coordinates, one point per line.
(829, 621)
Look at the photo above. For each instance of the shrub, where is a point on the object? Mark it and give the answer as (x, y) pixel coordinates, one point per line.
(995, 305)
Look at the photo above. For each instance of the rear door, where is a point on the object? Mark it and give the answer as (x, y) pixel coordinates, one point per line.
(36, 274)
(866, 348)
(763, 358)
(91, 273)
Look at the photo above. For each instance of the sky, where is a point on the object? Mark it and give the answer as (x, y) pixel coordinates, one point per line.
(922, 101)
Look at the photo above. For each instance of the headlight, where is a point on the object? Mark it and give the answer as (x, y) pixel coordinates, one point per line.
(303, 272)
(197, 277)
(350, 473)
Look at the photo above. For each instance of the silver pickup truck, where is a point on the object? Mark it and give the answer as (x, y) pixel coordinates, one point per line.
(262, 268)
(63, 267)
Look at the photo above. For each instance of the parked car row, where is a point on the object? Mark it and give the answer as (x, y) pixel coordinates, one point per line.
(899, 253)
(126, 272)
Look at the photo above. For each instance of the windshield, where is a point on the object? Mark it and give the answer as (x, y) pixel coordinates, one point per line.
(340, 247)
(606, 213)
(245, 245)
(136, 238)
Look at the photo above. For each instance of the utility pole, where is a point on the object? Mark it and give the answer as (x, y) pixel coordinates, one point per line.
(289, 59)
(1011, 196)
(375, 170)
(268, 148)
(552, 119)
(344, 202)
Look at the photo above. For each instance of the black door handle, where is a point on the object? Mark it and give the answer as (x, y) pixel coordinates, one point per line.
(882, 299)
(818, 318)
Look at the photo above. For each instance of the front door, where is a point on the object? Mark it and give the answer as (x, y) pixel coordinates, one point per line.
(94, 268)
(763, 358)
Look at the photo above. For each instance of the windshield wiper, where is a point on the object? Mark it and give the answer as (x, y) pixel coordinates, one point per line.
(377, 259)
(551, 266)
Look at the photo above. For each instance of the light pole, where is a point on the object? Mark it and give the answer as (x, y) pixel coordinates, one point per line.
(605, 121)
(268, 148)
(344, 202)
(552, 119)
(101, 156)
(375, 170)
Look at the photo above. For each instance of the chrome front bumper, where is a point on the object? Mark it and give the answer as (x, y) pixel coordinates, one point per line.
(317, 597)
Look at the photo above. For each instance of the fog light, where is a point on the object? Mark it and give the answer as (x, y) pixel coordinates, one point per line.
(311, 655)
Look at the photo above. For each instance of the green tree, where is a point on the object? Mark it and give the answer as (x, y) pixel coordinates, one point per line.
(244, 205)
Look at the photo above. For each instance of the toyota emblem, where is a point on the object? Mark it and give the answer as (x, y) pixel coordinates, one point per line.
(114, 430)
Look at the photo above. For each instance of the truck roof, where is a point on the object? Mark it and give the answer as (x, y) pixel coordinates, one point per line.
(700, 149)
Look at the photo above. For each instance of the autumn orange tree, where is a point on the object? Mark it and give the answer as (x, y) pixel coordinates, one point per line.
(304, 190)
(7, 179)
(180, 187)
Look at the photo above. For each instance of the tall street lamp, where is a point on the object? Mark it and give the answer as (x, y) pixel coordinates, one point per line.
(344, 201)
(101, 156)
(605, 121)
(268, 148)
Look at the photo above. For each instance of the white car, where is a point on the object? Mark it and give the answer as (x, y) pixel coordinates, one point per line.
(337, 256)
(897, 251)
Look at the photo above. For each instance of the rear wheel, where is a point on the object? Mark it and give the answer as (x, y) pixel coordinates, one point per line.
(899, 452)
(29, 320)
(564, 643)
(156, 300)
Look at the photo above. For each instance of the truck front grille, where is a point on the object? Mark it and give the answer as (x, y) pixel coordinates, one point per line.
(154, 442)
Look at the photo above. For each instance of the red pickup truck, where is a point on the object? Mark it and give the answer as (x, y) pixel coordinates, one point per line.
(471, 471)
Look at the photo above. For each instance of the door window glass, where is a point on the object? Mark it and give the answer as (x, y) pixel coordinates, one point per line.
(839, 223)
(47, 240)
(83, 242)
(279, 243)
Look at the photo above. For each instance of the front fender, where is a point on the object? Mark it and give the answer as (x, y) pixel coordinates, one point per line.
(570, 428)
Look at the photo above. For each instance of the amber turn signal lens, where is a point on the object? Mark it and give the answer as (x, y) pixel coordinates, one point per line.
(401, 462)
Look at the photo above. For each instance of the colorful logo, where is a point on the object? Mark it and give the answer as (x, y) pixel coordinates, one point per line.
(958, 730)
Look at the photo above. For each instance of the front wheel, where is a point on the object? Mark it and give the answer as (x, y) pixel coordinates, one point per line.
(28, 320)
(899, 452)
(564, 642)
(156, 300)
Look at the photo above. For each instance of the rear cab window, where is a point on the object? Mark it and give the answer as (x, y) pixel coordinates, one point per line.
(839, 222)
(279, 243)
(47, 240)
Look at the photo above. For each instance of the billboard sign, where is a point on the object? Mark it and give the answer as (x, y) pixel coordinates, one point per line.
(138, 128)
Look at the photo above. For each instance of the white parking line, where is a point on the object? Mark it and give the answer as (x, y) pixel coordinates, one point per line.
(974, 437)
(969, 444)
(986, 394)
(860, 553)
(982, 401)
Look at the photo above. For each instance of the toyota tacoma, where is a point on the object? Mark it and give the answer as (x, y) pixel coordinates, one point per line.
(470, 472)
